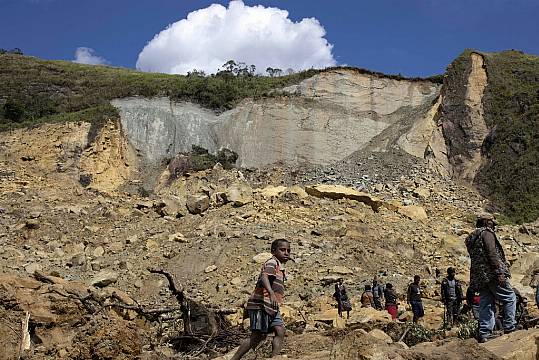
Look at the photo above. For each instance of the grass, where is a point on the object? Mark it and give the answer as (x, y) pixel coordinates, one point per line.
(510, 177)
(55, 91)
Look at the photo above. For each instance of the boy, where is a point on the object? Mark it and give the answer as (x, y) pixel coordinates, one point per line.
(263, 305)
(413, 297)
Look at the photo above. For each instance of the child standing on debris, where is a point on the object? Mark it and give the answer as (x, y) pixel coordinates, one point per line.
(263, 305)
(413, 297)
(391, 301)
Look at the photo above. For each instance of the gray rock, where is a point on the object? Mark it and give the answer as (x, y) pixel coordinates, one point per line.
(105, 278)
(198, 203)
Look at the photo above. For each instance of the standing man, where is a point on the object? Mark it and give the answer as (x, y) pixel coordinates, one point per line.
(377, 293)
(489, 272)
(413, 296)
(451, 297)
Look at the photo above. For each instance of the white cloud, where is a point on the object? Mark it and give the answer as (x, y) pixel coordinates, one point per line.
(257, 35)
(84, 55)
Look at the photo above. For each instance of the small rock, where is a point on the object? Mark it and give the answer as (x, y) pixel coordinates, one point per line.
(32, 268)
(262, 257)
(32, 224)
(210, 269)
(105, 278)
(98, 252)
(178, 237)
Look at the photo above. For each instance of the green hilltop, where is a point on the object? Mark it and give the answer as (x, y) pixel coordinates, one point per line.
(34, 91)
(510, 177)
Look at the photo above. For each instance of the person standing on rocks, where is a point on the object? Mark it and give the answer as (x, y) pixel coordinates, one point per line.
(343, 303)
(367, 298)
(391, 301)
(413, 296)
(451, 297)
(489, 272)
(263, 305)
(472, 299)
(378, 294)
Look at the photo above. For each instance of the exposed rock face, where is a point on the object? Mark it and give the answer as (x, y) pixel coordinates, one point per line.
(462, 115)
(109, 159)
(323, 119)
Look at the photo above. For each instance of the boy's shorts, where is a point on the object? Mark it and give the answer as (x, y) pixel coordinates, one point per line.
(263, 322)
(417, 308)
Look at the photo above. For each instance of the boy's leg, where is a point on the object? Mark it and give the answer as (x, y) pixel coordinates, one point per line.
(277, 344)
(251, 343)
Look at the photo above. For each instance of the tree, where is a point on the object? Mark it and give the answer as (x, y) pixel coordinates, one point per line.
(273, 72)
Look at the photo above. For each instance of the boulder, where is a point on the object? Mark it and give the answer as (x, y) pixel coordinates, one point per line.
(413, 212)
(526, 263)
(171, 206)
(239, 194)
(368, 315)
(330, 317)
(358, 345)
(336, 192)
(380, 335)
(272, 191)
(297, 190)
(198, 203)
(519, 345)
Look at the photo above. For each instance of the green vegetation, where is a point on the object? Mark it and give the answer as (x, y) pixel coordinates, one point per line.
(33, 91)
(511, 102)
(199, 159)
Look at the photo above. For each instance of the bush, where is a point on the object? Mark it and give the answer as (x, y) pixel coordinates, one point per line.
(13, 110)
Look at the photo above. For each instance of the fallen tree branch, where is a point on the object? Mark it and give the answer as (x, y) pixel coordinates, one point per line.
(171, 283)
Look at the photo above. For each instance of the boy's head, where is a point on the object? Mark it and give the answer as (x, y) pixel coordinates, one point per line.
(417, 279)
(367, 288)
(389, 286)
(281, 250)
(451, 273)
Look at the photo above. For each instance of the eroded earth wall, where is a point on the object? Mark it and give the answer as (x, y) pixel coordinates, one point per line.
(321, 120)
(462, 115)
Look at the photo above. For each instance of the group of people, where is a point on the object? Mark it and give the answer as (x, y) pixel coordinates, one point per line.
(373, 296)
(489, 287)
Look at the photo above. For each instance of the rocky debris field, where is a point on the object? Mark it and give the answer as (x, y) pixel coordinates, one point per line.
(76, 257)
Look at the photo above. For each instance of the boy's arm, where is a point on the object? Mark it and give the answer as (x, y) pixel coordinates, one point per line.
(442, 288)
(267, 286)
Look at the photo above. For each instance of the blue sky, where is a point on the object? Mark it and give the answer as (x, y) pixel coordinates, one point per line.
(414, 38)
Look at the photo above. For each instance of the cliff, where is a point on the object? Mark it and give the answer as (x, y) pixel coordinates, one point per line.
(321, 120)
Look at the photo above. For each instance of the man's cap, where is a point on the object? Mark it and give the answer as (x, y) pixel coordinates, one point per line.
(486, 216)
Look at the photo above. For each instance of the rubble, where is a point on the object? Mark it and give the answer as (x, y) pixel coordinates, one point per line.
(212, 230)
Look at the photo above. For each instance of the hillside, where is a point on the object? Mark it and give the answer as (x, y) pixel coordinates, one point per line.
(57, 91)
(41, 91)
(499, 133)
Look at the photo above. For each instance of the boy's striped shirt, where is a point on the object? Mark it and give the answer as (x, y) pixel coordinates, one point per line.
(260, 299)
